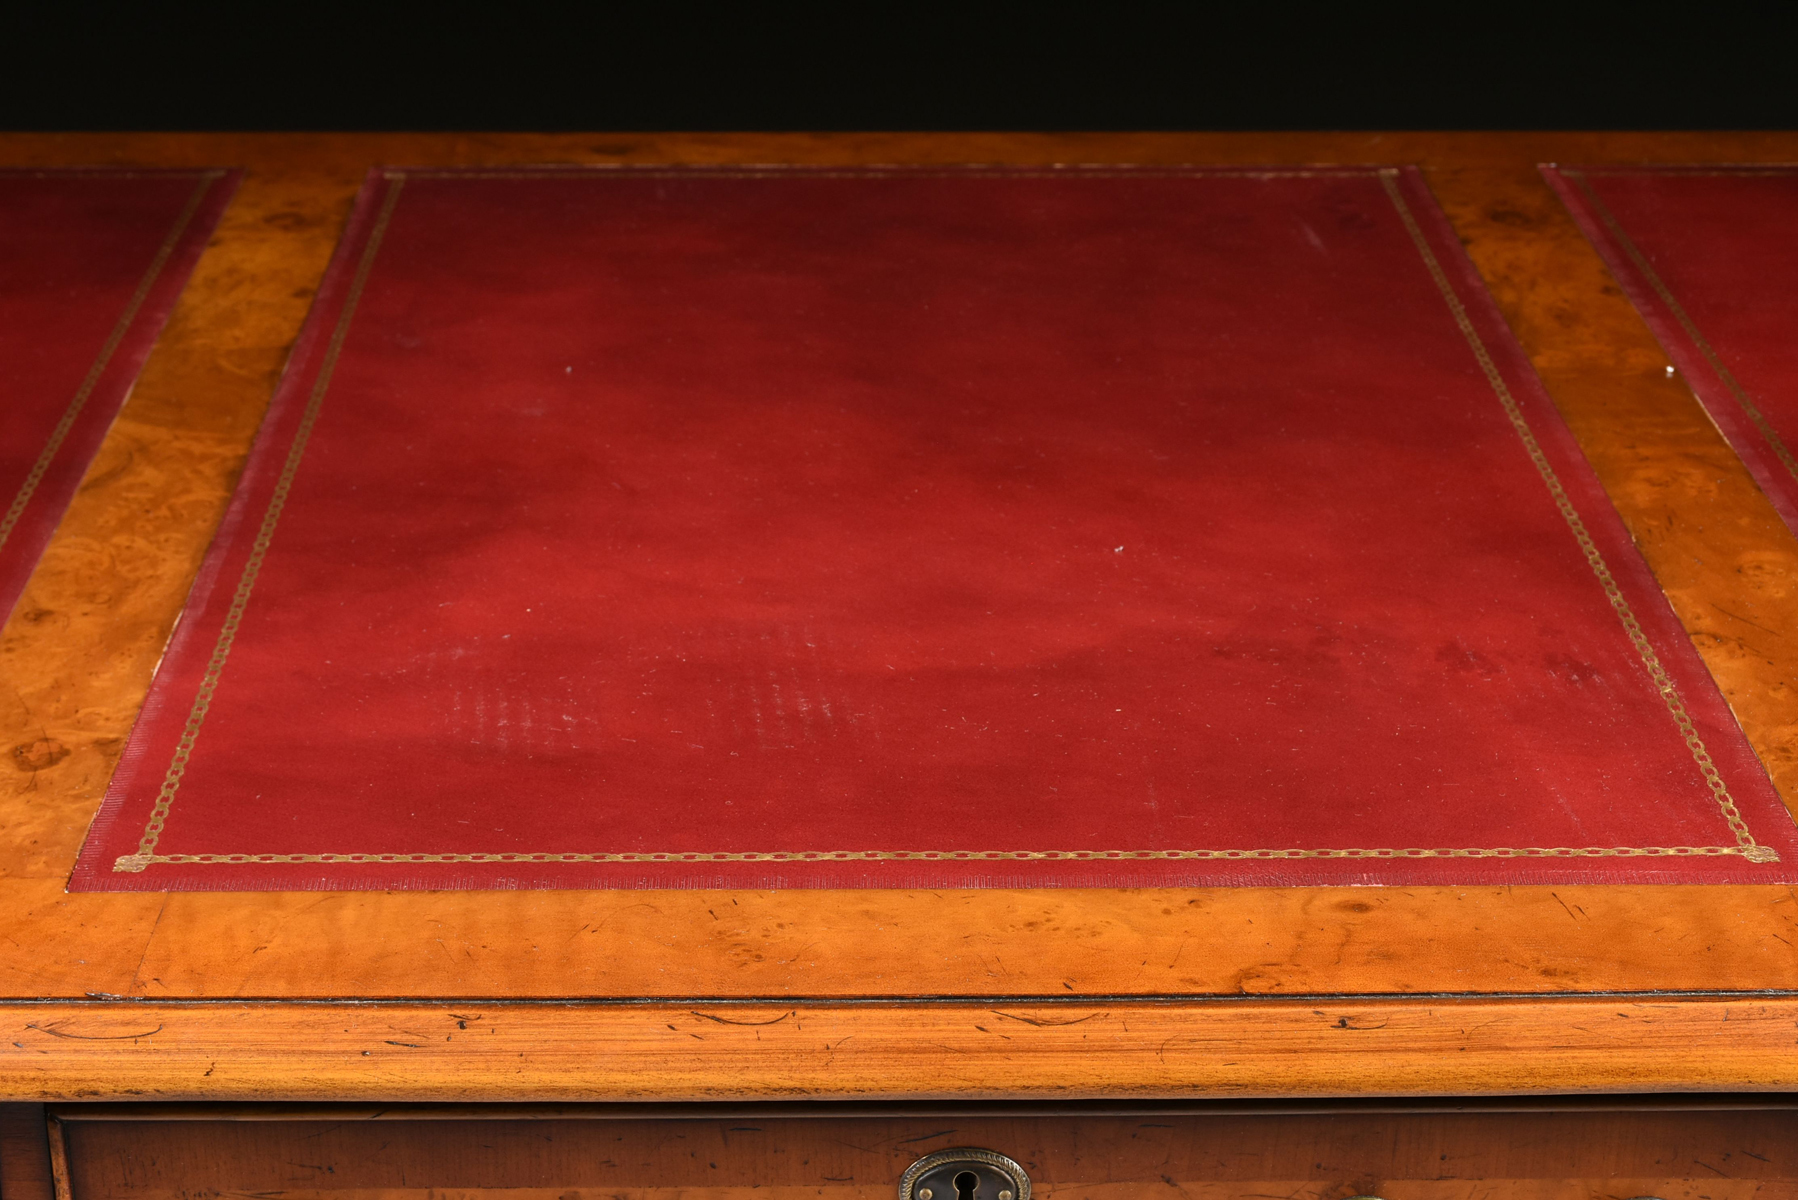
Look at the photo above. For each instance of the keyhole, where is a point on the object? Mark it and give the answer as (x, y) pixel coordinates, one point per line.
(965, 1183)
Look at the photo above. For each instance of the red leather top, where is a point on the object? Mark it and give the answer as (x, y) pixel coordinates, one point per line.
(90, 264)
(1709, 255)
(921, 528)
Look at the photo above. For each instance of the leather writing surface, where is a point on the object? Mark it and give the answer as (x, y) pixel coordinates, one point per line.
(692, 527)
(90, 264)
(1709, 255)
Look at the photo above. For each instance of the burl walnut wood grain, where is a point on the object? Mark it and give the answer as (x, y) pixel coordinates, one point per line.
(77, 656)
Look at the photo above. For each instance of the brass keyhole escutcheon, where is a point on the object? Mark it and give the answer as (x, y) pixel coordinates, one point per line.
(965, 1173)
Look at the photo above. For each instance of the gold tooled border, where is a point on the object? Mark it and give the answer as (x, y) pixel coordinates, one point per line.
(133, 863)
(1724, 374)
(1745, 846)
(890, 171)
(1651, 662)
(91, 380)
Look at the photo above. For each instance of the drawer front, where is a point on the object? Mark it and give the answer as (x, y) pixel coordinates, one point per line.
(1575, 1155)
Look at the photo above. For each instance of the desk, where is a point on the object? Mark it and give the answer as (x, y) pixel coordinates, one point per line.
(1018, 996)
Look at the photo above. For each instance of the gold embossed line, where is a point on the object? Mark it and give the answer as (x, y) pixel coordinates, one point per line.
(1676, 707)
(811, 856)
(614, 171)
(1686, 323)
(58, 434)
(246, 583)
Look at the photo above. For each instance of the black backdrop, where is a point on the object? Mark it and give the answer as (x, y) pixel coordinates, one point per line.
(749, 67)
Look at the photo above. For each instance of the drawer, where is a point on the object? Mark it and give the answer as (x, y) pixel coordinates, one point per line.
(1710, 1150)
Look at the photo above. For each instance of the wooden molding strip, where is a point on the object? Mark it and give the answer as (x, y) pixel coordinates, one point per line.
(579, 1051)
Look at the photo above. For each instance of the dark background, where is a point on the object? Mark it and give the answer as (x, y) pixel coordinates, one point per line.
(676, 67)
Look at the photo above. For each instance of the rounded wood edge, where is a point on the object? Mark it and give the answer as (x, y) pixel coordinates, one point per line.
(569, 1052)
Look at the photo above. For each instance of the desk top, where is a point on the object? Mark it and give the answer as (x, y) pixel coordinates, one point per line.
(681, 994)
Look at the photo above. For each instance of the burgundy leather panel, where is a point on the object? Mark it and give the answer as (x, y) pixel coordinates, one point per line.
(691, 527)
(90, 264)
(1709, 255)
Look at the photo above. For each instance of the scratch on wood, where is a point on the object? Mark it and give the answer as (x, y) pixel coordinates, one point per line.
(93, 1037)
(728, 1021)
(1042, 1021)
